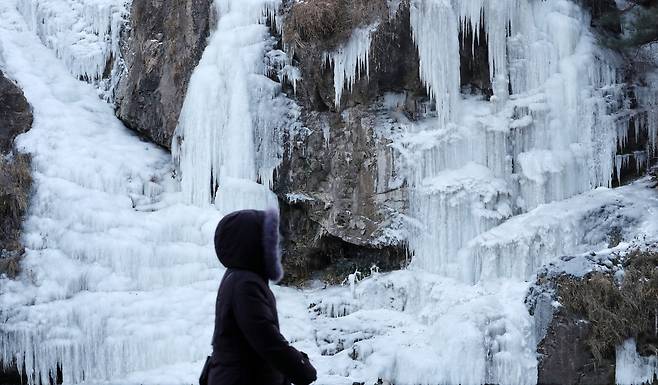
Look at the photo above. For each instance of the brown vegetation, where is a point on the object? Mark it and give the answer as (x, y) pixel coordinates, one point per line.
(329, 21)
(15, 185)
(617, 312)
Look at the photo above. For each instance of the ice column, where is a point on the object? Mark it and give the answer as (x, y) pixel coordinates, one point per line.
(220, 125)
(435, 31)
(647, 97)
(455, 206)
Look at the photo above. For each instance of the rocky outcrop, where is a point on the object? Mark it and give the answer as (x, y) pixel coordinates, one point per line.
(15, 114)
(582, 317)
(15, 177)
(163, 44)
(340, 194)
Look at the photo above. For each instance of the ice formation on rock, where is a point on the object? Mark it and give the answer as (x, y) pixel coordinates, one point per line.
(633, 369)
(549, 132)
(571, 226)
(228, 137)
(85, 34)
(350, 60)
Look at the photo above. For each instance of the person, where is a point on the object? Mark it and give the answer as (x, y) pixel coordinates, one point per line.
(248, 348)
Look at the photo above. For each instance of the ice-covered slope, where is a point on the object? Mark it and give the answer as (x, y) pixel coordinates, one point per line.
(118, 276)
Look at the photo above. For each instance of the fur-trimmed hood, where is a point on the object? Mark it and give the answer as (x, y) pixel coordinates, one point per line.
(249, 240)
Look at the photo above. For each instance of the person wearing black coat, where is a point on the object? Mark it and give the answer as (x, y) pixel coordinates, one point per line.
(248, 348)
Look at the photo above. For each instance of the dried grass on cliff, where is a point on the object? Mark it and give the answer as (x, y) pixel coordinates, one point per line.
(329, 22)
(617, 313)
(15, 186)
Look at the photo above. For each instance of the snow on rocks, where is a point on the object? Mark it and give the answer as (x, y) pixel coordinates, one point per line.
(519, 247)
(410, 327)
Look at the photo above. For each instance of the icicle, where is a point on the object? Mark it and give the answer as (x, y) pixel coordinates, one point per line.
(495, 17)
(622, 162)
(350, 60)
(641, 161)
(435, 31)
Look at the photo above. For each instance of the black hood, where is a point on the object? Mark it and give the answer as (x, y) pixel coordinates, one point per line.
(249, 240)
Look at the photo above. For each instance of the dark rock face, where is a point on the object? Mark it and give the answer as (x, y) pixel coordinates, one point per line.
(565, 358)
(604, 15)
(346, 200)
(15, 176)
(164, 43)
(15, 114)
(347, 208)
(343, 167)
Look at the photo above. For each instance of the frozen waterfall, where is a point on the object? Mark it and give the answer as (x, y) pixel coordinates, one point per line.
(231, 109)
(120, 277)
(554, 136)
(113, 261)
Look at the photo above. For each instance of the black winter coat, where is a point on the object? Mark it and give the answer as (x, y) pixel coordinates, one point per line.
(248, 348)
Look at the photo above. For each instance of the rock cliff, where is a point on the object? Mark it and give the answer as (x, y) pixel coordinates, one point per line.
(162, 44)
